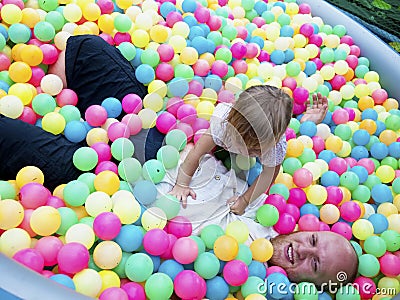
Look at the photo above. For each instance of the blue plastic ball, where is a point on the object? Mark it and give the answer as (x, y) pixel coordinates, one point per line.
(326, 155)
(170, 267)
(178, 87)
(277, 285)
(380, 126)
(145, 192)
(137, 61)
(196, 31)
(64, 280)
(379, 150)
(200, 44)
(217, 288)
(361, 137)
(379, 222)
(330, 178)
(129, 238)
(381, 193)
(75, 131)
(311, 68)
(189, 6)
(257, 269)
(361, 172)
(113, 107)
(308, 128)
(394, 150)
(369, 113)
(214, 82)
(359, 152)
(166, 8)
(190, 20)
(309, 208)
(289, 55)
(286, 31)
(277, 57)
(144, 73)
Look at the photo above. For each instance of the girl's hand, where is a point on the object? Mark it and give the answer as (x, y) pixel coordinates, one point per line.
(181, 193)
(317, 111)
(237, 204)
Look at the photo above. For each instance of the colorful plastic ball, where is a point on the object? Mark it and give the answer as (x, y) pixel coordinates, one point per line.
(155, 241)
(45, 220)
(238, 230)
(179, 226)
(207, 265)
(85, 158)
(73, 258)
(159, 286)
(11, 106)
(32, 195)
(30, 258)
(107, 254)
(226, 248)
(107, 225)
(375, 245)
(185, 250)
(308, 222)
(169, 156)
(152, 218)
(381, 193)
(139, 267)
(189, 285)
(379, 222)
(153, 170)
(145, 192)
(286, 224)
(267, 215)
(385, 173)
(53, 122)
(362, 229)
(107, 181)
(177, 139)
(329, 213)
(235, 272)
(368, 265)
(350, 211)
(88, 282)
(302, 178)
(252, 286)
(12, 214)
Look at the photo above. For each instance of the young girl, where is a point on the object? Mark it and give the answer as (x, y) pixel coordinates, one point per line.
(253, 126)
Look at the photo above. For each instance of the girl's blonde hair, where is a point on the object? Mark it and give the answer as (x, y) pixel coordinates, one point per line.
(259, 117)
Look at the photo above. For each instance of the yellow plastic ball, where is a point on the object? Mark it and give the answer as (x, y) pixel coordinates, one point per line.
(13, 240)
(11, 14)
(107, 255)
(191, 99)
(159, 87)
(209, 94)
(385, 173)
(181, 28)
(32, 55)
(388, 137)
(106, 23)
(148, 117)
(346, 194)
(97, 203)
(53, 122)
(30, 17)
(189, 56)
(60, 40)
(80, 233)
(126, 207)
(362, 229)
(347, 91)
(11, 106)
(159, 34)
(91, 12)
(294, 148)
(371, 76)
(226, 248)
(233, 84)
(154, 217)
(88, 282)
(153, 101)
(329, 213)
(316, 194)
(238, 230)
(261, 249)
(45, 220)
(306, 140)
(390, 103)
(72, 12)
(143, 21)
(387, 209)
(396, 201)
(334, 144)
(109, 279)
(205, 109)
(365, 102)
(11, 214)
(394, 222)
(345, 150)
(96, 135)
(29, 174)
(107, 182)
(362, 90)
(285, 179)
(332, 41)
(368, 125)
(23, 91)
(178, 43)
(20, 71)
(314, 169)
(310, 84)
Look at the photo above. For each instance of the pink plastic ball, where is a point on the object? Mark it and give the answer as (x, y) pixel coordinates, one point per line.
(103, 151)
(199, 124)
(5, 62)
(55, 202)
(108, 38)
(238, 50)
(179, 226)
(156, 241)
(132, 104)
(96, 115)
(304, 8)
(37, 75)
(315, 39)
(195, 88)
(201, 67)
(286, 224)
(49, 246)
(106, 6)
(355, 50)
(186, 113)
(390, 264)
(67, 97)
(189, 285)
(297, 197)
(318, 63)
(337, 82)
(302, 178)
(134, 291)
(219, 68)
(338, 165)
(298, 108)
(186, 128)
(346, 39)
(26, 223)
(324, 227)
(165, 122)
(173, 105)
(340, 116)
(173, 17)
(290, 134)
(106, 166)
(133, 122)
(351, 162)
(167, 254)
(35, 42)
(121, 37)
(352, 61)
(32, 195)
(73, 258)
(308, 222)
(291, 83)
(18, 3)
(164, 72)
(252, 50)
(235, 272)
(242, 32)
(258, 21)
(47, 273)
(379, 96)
(166, 52)
(343, 229)
(351, 113)
(214, 22)
(360, 81)
(335, 195)
(293, 210)
(318, 144)
(30, 258)
(202, 14)
(278, 201)
(113, 293)
(263, 56)
(240, 66)
(118, 130)
(28, 115)
(368, 164)
(307, 29)
(50, 54)
(185, 250)
(106, 225)
(275, 269)
(300, 95)
(365, 286)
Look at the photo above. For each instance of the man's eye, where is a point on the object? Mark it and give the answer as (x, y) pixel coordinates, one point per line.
(314, 262)
(313, 240)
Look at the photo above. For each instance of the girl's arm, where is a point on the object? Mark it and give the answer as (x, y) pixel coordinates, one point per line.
(260, 185)
(181, 189)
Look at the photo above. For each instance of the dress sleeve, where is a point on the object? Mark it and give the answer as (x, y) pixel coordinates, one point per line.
(275, 156)
(217, 124)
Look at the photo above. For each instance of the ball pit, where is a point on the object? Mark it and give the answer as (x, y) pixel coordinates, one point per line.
(342, 172)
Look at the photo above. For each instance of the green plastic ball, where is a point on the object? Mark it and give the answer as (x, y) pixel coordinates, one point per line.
(122, 23)
(56, 19)
(128, 50)
(75, 193)
(183, 71)
(169, 204)
(244, 254)
(68, 218)
(130, 169)
(200, 244)
(153, 170)
(267, 215)
(281, 189)
(7, 190)
(343, 131)
(224, 54)
(168, 156)
(159, 286)
(88, 179)
(291, 164)
(70, 113)
(48, 5)
(368, 265)
(392, 240)
(85, 159)
(207, 265)
(43, 104)
(122, 148)
(348, 292)
(308, 155)
(349, 180)
(150, 57)
(357, 248)
(293, 69)
(252, 286)
(361, 193)
(371, 181)
(44, 31)
(210, 233)
(339, 30)
(306, 291)
(392, 122)
(139, 267)
(120, 269)
(176, 138)
(390, 161)
(375, 245)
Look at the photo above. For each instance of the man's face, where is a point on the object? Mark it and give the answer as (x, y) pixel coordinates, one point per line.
(314, 256)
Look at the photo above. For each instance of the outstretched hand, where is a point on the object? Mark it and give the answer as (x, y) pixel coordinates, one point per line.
(316, 111)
